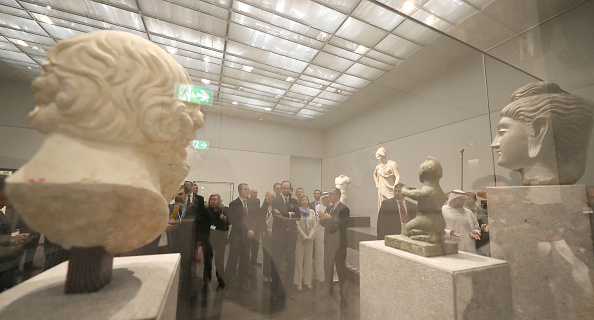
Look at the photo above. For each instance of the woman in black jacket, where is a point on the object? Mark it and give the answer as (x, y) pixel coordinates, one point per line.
(218, 239)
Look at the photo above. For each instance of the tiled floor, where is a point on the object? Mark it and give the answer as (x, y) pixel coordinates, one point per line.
(307, 304)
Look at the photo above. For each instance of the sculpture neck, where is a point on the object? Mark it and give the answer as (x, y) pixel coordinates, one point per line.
(66, 160)
(540, 174)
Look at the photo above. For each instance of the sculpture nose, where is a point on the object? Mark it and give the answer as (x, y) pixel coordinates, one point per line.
(495, 144)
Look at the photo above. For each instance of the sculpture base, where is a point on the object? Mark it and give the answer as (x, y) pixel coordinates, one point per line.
(143, 288)
(421, 248)
(89, 270)
(395, 284)
(544, 233)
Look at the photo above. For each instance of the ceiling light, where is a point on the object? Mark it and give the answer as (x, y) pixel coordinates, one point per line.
(19, 42)
(29, 68)
(320, 86)
(277, 96)
(260, 119)
(268, 109)
(171, 50)
(290, 79)
(42, 18)
(205, 81)
(206, 58)
(408, 7)
(247, 68)
(318, 105)
(323, 36)
(337, 91)
(48, 8)
(361, 49)
(234, 103)
(240, 88)
(431, 20)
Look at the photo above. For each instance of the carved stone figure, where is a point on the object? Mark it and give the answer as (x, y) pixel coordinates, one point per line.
(429, 224)
(544, 134)
(115, 148)
(386, 176)
(342, 183)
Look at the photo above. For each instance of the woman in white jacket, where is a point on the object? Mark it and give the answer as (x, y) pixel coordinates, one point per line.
(306, 230)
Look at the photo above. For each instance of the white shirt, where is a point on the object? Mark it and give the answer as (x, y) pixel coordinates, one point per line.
(462, 221)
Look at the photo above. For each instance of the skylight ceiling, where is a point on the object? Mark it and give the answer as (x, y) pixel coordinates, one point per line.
(294, 58)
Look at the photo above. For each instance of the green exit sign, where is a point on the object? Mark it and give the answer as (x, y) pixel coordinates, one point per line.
(200, 144)
(191, 93)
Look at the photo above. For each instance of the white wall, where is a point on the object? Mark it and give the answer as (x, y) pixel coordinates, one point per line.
(257, 153)
(18, 141)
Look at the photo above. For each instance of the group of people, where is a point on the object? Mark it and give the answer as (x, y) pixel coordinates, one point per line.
(299, 238)
(466, 221)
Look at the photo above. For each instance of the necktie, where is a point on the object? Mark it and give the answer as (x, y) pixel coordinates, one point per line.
(403, 216)
(245, 208)
(287, 202)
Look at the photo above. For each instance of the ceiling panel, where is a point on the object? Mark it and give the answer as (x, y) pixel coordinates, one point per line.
(295, 58)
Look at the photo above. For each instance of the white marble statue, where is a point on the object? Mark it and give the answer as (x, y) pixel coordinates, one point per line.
(386, 176)
(115, 147)
(544, 134)
(342, 183)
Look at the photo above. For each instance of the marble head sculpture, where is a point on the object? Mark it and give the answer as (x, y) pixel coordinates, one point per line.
(544, 134)
(115, 148)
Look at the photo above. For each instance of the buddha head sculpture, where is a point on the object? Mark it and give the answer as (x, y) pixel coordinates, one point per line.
(544, 134)
(115, 149)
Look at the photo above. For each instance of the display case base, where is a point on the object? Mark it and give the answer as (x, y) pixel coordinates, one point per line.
(400, 285)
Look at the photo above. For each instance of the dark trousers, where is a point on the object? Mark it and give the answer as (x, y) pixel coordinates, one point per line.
(266, 256)
(29, 254)
(237, 262)
(340, 262)
(282, 248)
(218, 241)
(254, 244)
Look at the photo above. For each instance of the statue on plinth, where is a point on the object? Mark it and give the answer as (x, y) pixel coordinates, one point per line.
(386, 176)
(541, 228)
(429, 224)
(114, 153)
(342, 183)
(544, 134)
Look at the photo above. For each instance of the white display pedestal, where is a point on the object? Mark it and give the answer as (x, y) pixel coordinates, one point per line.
(544, 233)
(142, 287)
(396, 284)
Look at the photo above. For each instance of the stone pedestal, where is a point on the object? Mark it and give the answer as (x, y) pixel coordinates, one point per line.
(142, 287)
(396, 284)
(544, 233)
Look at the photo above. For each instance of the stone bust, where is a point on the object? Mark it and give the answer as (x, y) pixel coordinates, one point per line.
(544, 134)
(342, 183)
(115, 153)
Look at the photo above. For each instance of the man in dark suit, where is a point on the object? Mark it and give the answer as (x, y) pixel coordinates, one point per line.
(335, 221)
(241, 231)
(195, 198)
(254, 243)
(394, 213)
(317, 194)
(284, 236)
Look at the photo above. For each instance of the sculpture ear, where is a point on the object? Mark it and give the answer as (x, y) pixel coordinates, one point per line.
(540, 137)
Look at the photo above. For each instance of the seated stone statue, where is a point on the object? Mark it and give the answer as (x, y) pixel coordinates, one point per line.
(429, 224)
(544, 134)
(115, 148)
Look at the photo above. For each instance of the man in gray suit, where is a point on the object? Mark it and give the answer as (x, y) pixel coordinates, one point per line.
(335, 220)
(394, 213)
